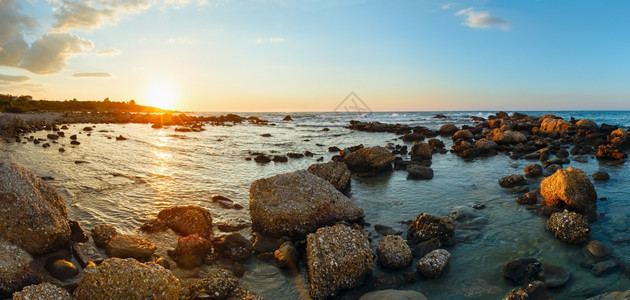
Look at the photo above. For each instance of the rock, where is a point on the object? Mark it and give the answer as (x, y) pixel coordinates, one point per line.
(618, 138)
(262, 159)
(419, 172)
(597, 249)
(533, 170)
(86, 253)
(286, 256)
(421, 151)
(127, 278)
(338, 257)
(506, 137)
(295, 155)
(448, 129)
(218, 284)
(52, 136)
(240, 293)
(187, 220)
(612, 296)
(266, 135)
(76, 143)
(232, 225)
(125, 246)
(287, 118)
(17, 269)
(280, 158)
(486, 145)
(87, 128)
(528, 198)
(569, 227)
(297, 203)
(34, 215)
(190, 250)
(426, 227)
(572, 187)
(423, 248)
(121, 138)
(42, 291)
(521, 271)
(333, 149)
(73, 137)
(433, 264)
(606, 152)
(336, 173)
(234, 246)
(224, 202)
(61, 269)
(264, 244)
(555, 276)
(386, 230)
(552, 125)
(393, 252)
(393, 295)
(600, 176)
(535, 291)
(102, 234)
(370, 160)
(468, 222)
(604, 268)
(512, 180)
(586, 124)
(77, 233)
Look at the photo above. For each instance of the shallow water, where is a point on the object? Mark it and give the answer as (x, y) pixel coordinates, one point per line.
(125, 183)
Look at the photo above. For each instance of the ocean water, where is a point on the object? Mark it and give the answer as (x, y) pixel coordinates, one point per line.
(126, 183)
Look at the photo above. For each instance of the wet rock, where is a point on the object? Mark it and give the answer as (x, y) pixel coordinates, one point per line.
(553, 125)
(369, 160)
(333, 149)
(421, 151)
(76, 143)
(512, 180)
(86, 253)
(77, 233)
(528, 198)
(392, 294)
(232, 225)
(619, 138)
(569, 227)
(601, 176)
(295, 155)
(463, 134)
(262, 159)
(73, 137)
(426, 227)
(125, 246)
(604, 268)
(338, 257)
(286, 256)
(52, 136)
(555, 276)
(336, 173)
(127, 278)
(393, 252)
(586, 124)
(187, 220)
(17, 269)
(297, 203)
(234, 246)
(612, 296)
(533, 170)
(597, 249)
(280, 158)
(87, 128)
(121, 138)
(386, 230)
(533, 291)
(218, 284)
(571, 187)
(287, 118)
(266, 135)
(448, 129)
(506, 137)
(42, 291)
(486, 145)
(521, 271)
(606, 152)
(421, 249)
(419, 172)
(190, 250)
(34, 215)
(433, 264)
(102, 234)
(468, 222)
(264, 244)
(61, 268)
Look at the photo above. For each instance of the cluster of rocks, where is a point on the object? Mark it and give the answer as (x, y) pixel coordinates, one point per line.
(262, 158)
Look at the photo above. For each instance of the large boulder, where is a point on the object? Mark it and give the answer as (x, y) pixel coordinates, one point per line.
(586, 124)
(463, 134)
(393, 252)
(33, 213)
(296, 204)
(512, 180)
(619, 138)
(421, 151)
(521, 271)
(17, 269)
(426, 227)
(42, 291)
(486, 145)
(419, 172)
(506, 137)
(369, 160)
(553, 125)
(190, 250)
(338, 257)
(336, 173)
(448, 129)
(569, 227)
(433, 264)
(571, 187)
(117, 278)
(125, 246)
(187, 220)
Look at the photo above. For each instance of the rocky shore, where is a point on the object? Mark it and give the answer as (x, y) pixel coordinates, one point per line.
(307, 220)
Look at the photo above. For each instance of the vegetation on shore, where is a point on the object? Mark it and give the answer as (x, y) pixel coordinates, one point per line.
(11, 104)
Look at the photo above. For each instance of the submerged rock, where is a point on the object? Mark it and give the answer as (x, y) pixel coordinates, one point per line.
(522, 270)
(555, 276)
(297, 203)
(127, 278)
(604, 268)
(419, 172)
(393, 252)
(426, 227)
(433, 264)
(336, 173)
(569, 227)
(571, 187)
(601, 176)
(187, 220)
(512, 180)
(597, 249)
(42, 291)
(392, 294)
(535, 290)
(369, 160)
(34, 215)
(338, 257)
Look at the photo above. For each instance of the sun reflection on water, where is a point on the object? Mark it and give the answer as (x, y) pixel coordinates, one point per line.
(163, 181)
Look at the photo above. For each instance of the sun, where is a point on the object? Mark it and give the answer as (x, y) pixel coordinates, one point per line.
(162, 94)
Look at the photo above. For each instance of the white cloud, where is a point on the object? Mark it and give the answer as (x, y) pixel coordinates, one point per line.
(98, 75)
(482, 20)
(9, 78)
(271, 40)
(108, 51)
(448, 5)
(88, 15)
(50, 53)
(12, 27)
(183, 3)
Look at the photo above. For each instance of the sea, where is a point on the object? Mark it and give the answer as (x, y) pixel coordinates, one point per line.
(127, 182)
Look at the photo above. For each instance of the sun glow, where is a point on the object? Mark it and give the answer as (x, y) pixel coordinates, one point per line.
(161, 94)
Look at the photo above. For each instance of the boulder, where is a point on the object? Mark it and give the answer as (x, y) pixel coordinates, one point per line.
(393, 252)
(287, 118)
(619, 138)
(33, 213)
(571, 187)
(604, 268)
(190, 250)
(569, 227)
(297, 203)
(521, 271)
(125, 246)
(369, 160)
(421, 151)
(426, 227)
(533, 170)
(42, 291)
(61, 268)
(586, 124)
(463, 134)
(102, 234)
(338, 257)
(486, 145)
(468, 222)
(117, 278)
(187, 220)
(264, 243)
(218, 284)
(535, 290)
(555, 276)
(553, 125)
(506, 137)
(600, 176)
(433, 264)
(77, 233)
(512, 180)
(86, 253)
(607, 152)
(17, 269)
(286, 256)
(234, 246)
(419, 172)
(336, 173)
(528, 198)
(392, 294)
(597, 249)
(448, 129)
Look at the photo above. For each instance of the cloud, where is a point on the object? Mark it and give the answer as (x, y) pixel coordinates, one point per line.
(12, 25)
(448, 5)
(88, 15)
(50, 53)
(101, 74)
(271, 40)
(183, 3)
(109, 51)
(9, 78)
(475, 19)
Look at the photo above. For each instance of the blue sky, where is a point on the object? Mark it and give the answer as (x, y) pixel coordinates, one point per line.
(308, 55)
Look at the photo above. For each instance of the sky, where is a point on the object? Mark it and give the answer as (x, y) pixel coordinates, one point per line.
(257, 55)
